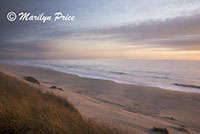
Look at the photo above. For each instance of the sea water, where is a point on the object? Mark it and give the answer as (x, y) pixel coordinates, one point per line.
(157, 73)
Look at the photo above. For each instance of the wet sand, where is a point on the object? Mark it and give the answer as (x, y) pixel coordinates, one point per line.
(134, 107)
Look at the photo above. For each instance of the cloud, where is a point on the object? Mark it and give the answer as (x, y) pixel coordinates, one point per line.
(33, 49)
(140, 23)
(180, 33)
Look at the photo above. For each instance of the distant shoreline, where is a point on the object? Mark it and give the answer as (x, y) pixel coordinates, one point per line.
(136, 107)
(188, 88)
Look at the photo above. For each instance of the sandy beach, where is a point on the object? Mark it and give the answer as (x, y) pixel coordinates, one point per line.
(134, 107)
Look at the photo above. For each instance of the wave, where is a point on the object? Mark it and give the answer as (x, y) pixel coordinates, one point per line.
(159, 77)
(121, 73)
(185, 85)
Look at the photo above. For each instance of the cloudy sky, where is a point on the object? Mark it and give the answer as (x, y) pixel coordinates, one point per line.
(138, 29)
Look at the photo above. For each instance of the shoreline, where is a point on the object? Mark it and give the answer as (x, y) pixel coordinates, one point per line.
(133, 106)
(179, 87)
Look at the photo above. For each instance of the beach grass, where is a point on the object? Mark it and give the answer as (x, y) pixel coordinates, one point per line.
(24, 109)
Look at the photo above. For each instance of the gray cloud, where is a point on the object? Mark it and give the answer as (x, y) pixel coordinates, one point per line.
(181, 33)
(18, 39)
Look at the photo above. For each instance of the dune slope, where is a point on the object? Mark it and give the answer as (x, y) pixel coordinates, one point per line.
(24, 109)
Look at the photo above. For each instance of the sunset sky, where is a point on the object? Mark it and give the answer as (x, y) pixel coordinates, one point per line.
(137, 29)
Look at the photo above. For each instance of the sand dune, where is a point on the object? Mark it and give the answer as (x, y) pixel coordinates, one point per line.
(138, 108)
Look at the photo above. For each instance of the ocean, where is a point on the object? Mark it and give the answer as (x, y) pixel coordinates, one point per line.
(168, 74)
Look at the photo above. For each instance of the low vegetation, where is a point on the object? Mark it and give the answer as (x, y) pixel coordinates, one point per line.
(26, 110)
(31, 79)
(160, 130)
(54, 87)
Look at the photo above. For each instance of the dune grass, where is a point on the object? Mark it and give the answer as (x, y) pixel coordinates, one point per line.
(26, 110)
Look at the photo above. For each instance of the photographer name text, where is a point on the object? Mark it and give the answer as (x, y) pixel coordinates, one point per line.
(27, 16)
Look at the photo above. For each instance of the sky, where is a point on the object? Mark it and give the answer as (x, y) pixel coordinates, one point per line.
(136, 29)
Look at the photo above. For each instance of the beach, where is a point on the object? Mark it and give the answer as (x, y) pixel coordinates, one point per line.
(135, 107)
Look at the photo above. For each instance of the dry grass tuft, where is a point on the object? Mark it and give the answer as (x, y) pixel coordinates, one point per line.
(160, 130)
(31, 79)
(25, 110)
